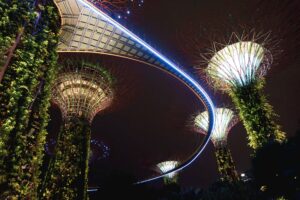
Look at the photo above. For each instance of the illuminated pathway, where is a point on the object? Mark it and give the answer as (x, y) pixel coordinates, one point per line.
(85, 28)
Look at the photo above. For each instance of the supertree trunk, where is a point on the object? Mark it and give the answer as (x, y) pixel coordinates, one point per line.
(68, 170)
(171, 180)
(225, 164)
(256, 114)
(24, 101)
(81, 90)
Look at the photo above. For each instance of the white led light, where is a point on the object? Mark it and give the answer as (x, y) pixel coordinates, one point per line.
(167, 166)
(237, 64)
(224, 121)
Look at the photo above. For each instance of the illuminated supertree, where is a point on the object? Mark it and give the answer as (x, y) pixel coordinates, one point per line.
(81, 90)
(167, 166)
(238, 68)
(117, 8)
(224, 121)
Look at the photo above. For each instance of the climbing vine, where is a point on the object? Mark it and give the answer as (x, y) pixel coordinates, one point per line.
(13, 17)
(256, 114)
(68, 170)
(25, 93)
(225, 164)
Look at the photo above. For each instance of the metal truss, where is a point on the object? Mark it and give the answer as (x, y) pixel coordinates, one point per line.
(84, 30)
(81, 91)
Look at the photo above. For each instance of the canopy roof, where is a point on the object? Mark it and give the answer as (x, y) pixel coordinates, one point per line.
(84, 30)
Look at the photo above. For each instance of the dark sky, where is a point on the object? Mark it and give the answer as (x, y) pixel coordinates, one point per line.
(147, 123)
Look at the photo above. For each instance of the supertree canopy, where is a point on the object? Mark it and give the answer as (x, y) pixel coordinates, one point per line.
(224, 121)
(239, 64)
(238, 69)
(81, 90)
(167, 166)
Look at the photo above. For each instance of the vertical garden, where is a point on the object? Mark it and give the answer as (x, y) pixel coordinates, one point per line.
(225, 163)
(29, 37)
(239, 70)
(81, 90)
(67, 174)
(224, 121)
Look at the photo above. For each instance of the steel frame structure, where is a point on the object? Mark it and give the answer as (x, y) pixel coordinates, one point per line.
(81, 91)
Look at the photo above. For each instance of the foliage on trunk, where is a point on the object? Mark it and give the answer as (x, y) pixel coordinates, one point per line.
(256, 114)
(66, 177)
(25, 94)
(13, 16)
(225, 164)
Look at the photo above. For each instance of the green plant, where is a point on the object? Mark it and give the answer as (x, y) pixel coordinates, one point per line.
(68, 170)
(238, 69)
(225, 164)
(14, 16)
(25, 93)
(257, 114)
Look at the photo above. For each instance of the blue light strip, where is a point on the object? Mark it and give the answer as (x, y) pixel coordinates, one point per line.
(181, 74)
(93, 190)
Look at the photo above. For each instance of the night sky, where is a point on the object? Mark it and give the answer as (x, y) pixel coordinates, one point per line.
(148, 122)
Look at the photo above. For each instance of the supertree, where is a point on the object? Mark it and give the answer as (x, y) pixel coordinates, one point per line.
(165, 167)
(81, 90)
(238, 69)
(224, 121)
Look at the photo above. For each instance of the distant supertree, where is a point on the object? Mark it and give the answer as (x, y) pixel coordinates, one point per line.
(238, 69)
(81, 90)
(224, 121)
(167, 166)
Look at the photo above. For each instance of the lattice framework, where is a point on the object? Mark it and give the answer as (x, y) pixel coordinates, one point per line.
(86, 31)
(82, 90)
(241, 62)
